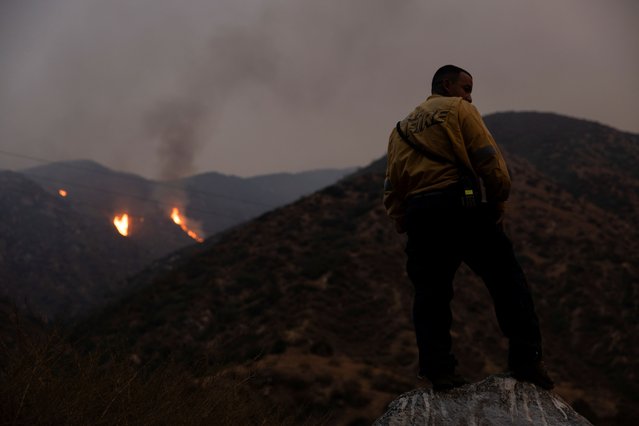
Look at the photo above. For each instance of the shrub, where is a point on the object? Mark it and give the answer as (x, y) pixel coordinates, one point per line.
(44, 381)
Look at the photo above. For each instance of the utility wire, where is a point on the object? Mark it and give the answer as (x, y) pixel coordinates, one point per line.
(109, 214)
(121, 175)
(138, 197)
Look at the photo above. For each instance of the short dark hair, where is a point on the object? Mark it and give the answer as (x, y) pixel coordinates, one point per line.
(447, 71)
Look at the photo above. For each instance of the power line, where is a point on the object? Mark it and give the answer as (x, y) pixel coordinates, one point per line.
(110, 214)
(138, 197)
(121, 175)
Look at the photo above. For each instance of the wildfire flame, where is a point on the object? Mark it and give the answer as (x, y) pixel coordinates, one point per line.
(181, 221)
(63, 193)
(122, 224)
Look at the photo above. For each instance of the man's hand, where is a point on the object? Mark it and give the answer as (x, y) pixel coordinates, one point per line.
(494, 213)
(499, 214)
(499, 210)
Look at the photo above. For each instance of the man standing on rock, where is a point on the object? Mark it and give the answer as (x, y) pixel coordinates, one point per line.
(446, 184)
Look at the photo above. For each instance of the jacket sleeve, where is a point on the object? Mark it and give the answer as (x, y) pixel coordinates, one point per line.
(393, 194)
(484, 154)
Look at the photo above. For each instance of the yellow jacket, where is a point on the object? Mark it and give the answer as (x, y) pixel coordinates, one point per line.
(448, 127)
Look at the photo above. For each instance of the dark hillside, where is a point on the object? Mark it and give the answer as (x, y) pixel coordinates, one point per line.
(213, 200)
(60, 253)
(312, 299)
(54, 259)
(287, 187)
(219, 202)
(586, 158)
(98, 193)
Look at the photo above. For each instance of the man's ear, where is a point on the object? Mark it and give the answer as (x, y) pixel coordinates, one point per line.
(446, 86)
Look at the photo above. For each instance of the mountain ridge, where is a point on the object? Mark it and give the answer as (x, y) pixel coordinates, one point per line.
(61, 253)
(587, 164)
(313, 299)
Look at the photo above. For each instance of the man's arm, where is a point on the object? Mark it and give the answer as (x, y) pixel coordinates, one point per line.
(393, 196)
(484, 154)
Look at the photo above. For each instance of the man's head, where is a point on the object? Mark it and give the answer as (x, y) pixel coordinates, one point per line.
(450, 80)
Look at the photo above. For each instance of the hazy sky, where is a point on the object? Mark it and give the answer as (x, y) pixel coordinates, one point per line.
(169, 88)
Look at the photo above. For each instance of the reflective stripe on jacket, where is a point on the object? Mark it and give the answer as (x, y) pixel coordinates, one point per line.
(448, 127)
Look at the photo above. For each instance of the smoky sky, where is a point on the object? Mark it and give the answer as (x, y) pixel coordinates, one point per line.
(166, 89)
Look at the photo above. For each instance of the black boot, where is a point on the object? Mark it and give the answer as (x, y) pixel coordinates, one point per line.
(526, 364)
(534, 372)
(445, 381)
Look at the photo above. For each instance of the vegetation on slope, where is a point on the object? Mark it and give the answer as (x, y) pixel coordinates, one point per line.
(45, 381)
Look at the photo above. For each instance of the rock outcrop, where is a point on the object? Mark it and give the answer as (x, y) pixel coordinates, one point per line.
(497, 400)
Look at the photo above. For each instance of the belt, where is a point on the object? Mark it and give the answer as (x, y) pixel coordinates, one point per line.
(444, 198)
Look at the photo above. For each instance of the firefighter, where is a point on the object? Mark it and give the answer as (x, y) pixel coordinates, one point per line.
(446, 184)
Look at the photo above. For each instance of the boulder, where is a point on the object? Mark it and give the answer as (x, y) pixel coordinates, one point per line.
(497, 400)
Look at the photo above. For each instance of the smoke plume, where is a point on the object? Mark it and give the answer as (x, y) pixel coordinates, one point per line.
(165, 88)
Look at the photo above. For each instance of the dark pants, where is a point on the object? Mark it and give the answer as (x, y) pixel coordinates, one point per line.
(440, 237)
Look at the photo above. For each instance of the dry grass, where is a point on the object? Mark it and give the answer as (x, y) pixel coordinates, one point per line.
(44, 381)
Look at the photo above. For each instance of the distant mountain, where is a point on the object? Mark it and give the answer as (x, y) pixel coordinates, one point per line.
(212, 200)
(588, 159)
(313, 302)
(219, 201)
(55, 259)
(286, 187)
(99, 194)
(62, 255)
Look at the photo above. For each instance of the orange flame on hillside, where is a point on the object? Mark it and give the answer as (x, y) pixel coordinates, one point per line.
(180, 220)
(122, 224)
(63, 193)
